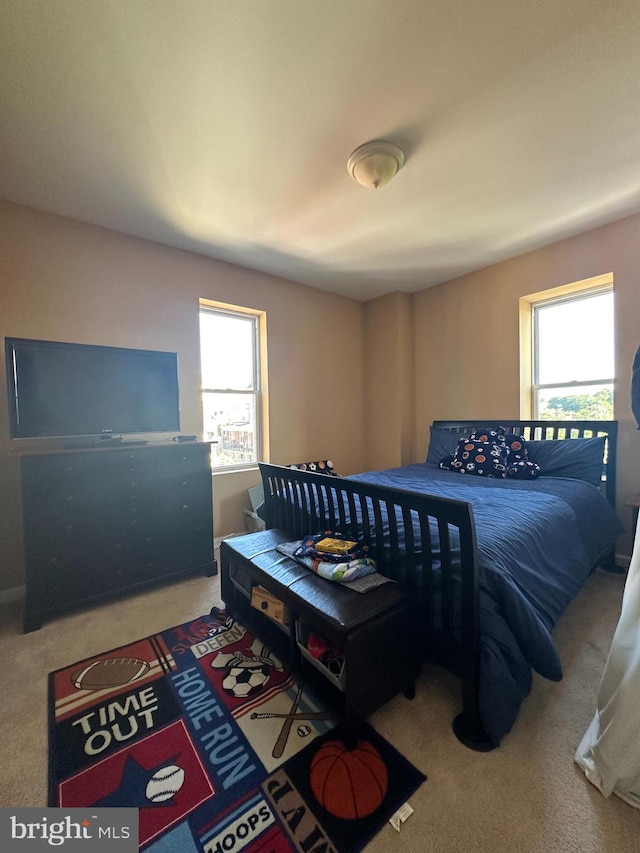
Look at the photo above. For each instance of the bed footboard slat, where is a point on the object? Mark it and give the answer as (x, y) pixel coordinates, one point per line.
(363, 507)
(424, 576)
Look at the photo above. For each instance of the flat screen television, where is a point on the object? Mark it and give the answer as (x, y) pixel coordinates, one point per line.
(64, 390)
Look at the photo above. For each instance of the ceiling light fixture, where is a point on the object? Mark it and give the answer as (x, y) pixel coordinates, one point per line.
(374, 164)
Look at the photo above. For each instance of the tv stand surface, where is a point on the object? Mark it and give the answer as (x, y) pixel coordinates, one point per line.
(101, 442)
(125, 442)
(103, 521)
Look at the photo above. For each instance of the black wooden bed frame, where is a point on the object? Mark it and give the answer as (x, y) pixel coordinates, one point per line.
(447, 620)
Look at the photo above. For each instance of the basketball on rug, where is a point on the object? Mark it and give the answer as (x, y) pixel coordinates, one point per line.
(219, 747)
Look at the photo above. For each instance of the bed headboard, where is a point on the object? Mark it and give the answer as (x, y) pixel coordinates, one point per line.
(554, 431)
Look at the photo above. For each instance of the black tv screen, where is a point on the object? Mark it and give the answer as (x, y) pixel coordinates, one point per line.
(63, 389)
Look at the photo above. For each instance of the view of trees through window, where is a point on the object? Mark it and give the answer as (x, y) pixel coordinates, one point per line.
(574, 357)
(580, 407)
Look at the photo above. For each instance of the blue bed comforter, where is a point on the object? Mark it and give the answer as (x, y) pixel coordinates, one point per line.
(538, 540)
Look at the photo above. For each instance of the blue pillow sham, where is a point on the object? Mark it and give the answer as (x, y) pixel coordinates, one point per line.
(442, 442)
(579, 458)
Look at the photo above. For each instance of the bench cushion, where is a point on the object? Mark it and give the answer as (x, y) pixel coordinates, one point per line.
(335, 609)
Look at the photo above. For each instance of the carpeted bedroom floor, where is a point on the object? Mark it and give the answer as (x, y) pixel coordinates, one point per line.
(527, 796)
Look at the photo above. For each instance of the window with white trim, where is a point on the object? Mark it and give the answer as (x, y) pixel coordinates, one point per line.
(573, 355)
(232, 403)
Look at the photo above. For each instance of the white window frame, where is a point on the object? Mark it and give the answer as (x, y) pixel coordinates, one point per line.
(257, 391)
(529, 384)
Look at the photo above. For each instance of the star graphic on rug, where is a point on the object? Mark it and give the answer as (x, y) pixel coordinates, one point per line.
(137, 783)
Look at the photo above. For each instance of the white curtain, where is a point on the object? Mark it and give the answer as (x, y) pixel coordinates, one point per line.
(609, 752)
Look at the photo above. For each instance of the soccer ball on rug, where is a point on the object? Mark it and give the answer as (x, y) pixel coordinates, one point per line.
(243, 681)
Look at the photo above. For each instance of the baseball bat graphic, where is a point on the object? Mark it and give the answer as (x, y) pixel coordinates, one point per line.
(311, 715)
(278, 749)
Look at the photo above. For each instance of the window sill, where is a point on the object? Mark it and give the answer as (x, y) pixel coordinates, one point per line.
(217, 472)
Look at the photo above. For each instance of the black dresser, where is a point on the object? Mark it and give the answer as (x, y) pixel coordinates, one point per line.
(102, 521)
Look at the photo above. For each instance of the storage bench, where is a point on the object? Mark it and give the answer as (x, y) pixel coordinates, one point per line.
(373, 628)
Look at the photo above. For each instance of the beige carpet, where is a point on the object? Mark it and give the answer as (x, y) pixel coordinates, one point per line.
(528, 796)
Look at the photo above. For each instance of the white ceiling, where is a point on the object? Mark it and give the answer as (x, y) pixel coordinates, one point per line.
(224, 127)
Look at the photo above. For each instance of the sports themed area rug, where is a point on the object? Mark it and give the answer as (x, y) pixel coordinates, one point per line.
(204, 730)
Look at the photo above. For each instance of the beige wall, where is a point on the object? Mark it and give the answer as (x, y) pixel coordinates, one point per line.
(64, 280)
(467, 347)
(389, 401)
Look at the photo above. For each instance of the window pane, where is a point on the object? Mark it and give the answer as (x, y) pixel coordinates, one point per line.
(227, 351)
(230, 423)
(587, 403)
(575, 340)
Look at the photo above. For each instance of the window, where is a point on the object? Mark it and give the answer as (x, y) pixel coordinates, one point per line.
(232, 402)
(572, 354)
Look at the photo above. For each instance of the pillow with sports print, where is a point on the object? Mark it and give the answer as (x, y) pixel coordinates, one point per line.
(319, 466)
(519, 466)
(480, 458)
(495, 435)
(522, 469)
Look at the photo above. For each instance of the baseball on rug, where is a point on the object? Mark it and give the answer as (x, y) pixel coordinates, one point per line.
(219, 747)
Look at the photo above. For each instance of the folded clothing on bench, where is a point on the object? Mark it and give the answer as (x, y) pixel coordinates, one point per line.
(359, 574)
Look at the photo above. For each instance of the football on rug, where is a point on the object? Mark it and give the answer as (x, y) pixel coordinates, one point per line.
(219, 746)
